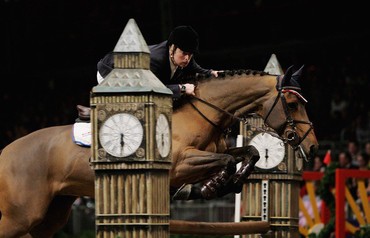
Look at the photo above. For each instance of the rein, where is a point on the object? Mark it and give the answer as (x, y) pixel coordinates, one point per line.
(224, 131)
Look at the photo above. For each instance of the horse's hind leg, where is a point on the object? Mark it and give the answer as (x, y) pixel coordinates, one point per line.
(55, 218)
(18, 214)
(10, 229)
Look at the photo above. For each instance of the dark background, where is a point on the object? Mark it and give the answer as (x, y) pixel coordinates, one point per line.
(50, 49)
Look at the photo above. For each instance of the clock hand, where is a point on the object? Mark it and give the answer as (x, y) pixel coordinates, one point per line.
(122, 141)
(266, 155)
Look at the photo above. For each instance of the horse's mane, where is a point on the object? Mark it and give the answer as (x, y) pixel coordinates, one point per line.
(225, 73)
(221, 75)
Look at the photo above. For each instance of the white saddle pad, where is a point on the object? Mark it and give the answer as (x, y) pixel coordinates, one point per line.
(82, 133)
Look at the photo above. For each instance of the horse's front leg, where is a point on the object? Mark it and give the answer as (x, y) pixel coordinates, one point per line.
(240, 151)
(249, 156)
(195, 166)
(225, 180)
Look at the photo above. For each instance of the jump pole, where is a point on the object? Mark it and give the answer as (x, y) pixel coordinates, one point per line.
(218, 228)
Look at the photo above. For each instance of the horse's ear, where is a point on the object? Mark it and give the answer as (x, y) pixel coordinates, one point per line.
(285, 81)
(294, 81)
(291, 80)
(297, 74)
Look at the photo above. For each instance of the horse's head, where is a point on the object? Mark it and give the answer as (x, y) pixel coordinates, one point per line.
(285, 112)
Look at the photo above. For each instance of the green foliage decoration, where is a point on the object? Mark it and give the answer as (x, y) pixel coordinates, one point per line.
(324, 191)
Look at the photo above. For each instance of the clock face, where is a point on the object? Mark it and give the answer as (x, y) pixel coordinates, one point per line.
(162, 135)
(121, 134)
(270, 148)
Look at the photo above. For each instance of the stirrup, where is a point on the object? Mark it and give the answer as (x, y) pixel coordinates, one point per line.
(83, 113)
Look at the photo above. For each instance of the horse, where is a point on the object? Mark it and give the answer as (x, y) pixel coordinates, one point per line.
(44, 172)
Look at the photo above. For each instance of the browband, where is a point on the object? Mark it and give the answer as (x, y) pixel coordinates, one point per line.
(295, 93)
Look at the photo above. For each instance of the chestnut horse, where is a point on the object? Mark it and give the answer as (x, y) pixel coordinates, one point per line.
(42, 173)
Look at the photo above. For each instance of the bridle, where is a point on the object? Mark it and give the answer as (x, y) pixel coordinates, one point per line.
(291, 136)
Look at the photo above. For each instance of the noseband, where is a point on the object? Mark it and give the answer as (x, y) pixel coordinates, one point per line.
(291, 136)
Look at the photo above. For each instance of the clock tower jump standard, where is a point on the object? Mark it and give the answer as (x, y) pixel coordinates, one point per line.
(131, 114)
(272, 191)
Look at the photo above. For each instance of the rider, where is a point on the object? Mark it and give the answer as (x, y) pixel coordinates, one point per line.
(172, 61)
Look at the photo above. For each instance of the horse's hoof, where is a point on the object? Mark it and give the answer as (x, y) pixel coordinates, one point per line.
(240, 177)
(183, 192)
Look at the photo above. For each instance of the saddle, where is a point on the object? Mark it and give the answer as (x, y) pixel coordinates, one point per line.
(83, 113)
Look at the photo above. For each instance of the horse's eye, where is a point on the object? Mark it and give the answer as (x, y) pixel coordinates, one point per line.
(293, 106)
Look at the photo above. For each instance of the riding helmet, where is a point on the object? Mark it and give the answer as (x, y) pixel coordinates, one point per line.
(184, 37)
